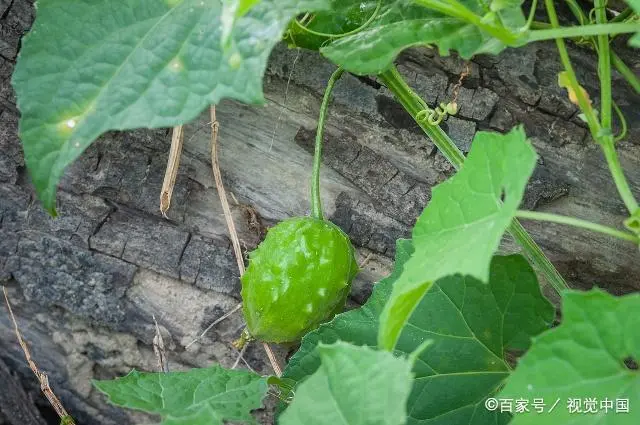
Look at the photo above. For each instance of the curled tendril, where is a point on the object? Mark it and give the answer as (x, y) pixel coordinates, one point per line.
(308, 18)
(436, 116)
(623, 123)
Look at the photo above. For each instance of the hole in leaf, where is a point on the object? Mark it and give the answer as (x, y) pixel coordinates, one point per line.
(503, 195)
(630, 363)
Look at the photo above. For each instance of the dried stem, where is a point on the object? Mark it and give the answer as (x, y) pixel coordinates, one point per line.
(42, 377)
(215, 126)
(240, 356)
(365, 261)
(272, 358)
(215, 322)
(177, 140)
(159, 350)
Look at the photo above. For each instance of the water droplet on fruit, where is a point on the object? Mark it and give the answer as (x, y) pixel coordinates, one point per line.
(309, 308)
(322, 292)
(71, 123)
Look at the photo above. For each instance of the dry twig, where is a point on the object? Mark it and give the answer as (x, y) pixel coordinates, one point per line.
(171, 173)
(365, 261)
(240, 356)
(215, 322)
(215, 126)
(456, 88)
(65, 418)
(159, 350)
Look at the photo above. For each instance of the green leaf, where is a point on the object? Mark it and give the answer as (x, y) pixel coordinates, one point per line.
(344, 17)
(196, 397)
(403, 23)
(471, 325)
(244, 6)
(462, 226)
(583, 358)
(354, 386)
(89, 66)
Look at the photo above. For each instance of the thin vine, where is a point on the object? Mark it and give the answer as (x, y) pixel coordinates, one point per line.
(316, 201)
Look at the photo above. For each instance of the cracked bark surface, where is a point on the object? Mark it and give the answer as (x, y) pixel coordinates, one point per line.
(85, 285)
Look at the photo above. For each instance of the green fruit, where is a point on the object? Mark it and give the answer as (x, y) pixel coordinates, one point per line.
(297, 278)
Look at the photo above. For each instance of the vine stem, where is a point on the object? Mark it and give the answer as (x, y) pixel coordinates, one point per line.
(604, 67)
(393, 80)
(600, 135)
(607, 140)
(623, 15)
(457, 9)
(622, 67)
(316, 201)
(626, 72)
(581, 31)
(583, 101)
(576, 222)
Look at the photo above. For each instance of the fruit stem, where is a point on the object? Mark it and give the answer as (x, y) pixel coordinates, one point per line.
(316, 202)
(245, 338)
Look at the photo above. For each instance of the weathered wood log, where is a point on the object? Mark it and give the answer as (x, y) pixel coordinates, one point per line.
(85, 286)
(17, 407)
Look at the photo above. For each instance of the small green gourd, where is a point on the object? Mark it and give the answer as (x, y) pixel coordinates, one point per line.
(297, 278)
(300, 275)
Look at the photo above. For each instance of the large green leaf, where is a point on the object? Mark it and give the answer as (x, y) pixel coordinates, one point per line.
(352, 386)
(197, 397)
(404, 23)
(471, 325)
(89, 66)
(583, 358)
(462, 226)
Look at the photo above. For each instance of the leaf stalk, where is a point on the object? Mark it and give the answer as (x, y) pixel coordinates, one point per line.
(576, 222)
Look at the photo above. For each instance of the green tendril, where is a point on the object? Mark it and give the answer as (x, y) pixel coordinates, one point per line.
(316, 202)
(436, 116)
(623, 123)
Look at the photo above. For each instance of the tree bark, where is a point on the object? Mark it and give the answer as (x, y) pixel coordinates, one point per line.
(15, 404)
